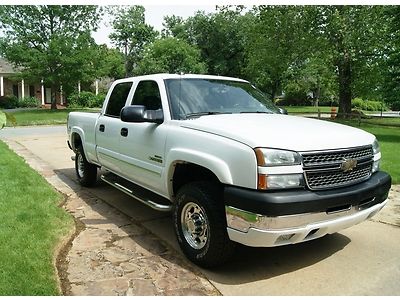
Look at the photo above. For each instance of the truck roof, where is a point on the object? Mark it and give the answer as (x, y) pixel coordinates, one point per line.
(163, 76)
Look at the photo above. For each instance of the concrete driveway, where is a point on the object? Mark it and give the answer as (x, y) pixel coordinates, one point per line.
(362, 260)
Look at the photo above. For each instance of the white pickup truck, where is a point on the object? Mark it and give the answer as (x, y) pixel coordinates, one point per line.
(216, 152)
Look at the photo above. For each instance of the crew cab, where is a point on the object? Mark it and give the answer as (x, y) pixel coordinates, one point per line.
(232, 169)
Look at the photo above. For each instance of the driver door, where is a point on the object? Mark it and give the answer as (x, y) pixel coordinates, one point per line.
(143, 148)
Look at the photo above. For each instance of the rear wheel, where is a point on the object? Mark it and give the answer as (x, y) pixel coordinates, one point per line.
(200, 224)
(85, 171)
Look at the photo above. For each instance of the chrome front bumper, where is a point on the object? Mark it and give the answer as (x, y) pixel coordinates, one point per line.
(262, 231)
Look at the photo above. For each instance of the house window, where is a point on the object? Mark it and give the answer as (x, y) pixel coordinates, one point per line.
(31, 91)
(15, 90)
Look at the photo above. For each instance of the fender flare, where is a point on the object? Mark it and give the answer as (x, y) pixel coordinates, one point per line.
(214, 164)
(77, 131)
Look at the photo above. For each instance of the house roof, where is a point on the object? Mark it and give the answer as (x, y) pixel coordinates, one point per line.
(6, 67)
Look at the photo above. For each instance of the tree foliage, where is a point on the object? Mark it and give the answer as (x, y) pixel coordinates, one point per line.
(277, 43)
(50, 42)
(219, 37)
(391, 89)
(317, 54)
(353, 36)
(109, 62)
(171, 55)
(326, 52)
(130, 33)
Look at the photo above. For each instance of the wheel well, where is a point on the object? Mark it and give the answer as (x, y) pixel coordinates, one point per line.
(187, 172)
(76, 141)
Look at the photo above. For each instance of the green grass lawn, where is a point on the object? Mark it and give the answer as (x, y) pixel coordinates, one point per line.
(388, 121)
(312, 109)
(31, 226)
(307, 109)
(389, 141)
(44, 116)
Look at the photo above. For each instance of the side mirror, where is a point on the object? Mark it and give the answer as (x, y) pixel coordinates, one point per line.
(139, 114)
(282, 111)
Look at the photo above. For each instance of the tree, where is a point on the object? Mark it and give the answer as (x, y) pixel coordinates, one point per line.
(314, 79)
(130, 33)
(392, 67)
(171, 55)
(109, 62)
(354, 38)
(277, 42)
(50, 42)
(175, 26)
(219, 37)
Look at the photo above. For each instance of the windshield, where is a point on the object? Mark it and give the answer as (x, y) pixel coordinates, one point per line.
(196, 97)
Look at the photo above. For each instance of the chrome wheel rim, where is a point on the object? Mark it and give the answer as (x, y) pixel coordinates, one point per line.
(81, 165)
(194, 224)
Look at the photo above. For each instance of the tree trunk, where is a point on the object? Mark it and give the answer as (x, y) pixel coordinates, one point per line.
(344, 67)
(275, 90)
(128, 69)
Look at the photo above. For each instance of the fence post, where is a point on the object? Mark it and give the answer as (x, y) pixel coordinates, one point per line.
(319, 113)
(333, 113)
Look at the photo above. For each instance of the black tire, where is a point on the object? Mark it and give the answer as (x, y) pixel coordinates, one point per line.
(202, 237)
(85, 171)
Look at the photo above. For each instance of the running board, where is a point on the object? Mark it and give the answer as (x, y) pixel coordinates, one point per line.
(137, 192)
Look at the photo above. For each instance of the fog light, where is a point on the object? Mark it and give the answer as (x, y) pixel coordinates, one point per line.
(285, 181)
(284, 237)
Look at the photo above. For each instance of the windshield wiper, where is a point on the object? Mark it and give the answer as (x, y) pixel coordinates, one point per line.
(204, 113)
(256, 112)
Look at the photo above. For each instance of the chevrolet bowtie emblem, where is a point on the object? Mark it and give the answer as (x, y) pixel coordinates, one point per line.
(348, 165)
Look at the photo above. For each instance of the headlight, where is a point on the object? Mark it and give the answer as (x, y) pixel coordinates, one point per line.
(274, 157)
(270, 158)
(375, 147)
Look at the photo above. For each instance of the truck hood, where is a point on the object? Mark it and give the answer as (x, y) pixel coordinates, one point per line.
(281, 131)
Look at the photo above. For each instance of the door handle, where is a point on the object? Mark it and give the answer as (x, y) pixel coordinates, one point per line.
(124, 131)
(102, 127)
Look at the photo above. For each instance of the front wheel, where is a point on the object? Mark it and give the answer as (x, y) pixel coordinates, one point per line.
(200, 224)
(85, 171)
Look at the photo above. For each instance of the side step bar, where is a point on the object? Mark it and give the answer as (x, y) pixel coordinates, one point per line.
(137, 192)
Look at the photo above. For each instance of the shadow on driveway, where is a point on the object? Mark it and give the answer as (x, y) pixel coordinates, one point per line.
(248, 264)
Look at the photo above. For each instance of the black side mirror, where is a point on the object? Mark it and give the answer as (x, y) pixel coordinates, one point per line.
(139, 114)
(282, 111)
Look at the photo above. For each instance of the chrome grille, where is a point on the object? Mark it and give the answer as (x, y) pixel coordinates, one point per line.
(337, 178)
(322, 170)
(332, 157)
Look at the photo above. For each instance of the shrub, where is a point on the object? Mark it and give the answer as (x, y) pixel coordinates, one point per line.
(368, 105)
(8, 102)
(85, 99)
(97, 101)
(328, 102)
(395, 105)
(28, 102)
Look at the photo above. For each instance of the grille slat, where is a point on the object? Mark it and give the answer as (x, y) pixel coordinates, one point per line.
(320, 174)
(313, 159)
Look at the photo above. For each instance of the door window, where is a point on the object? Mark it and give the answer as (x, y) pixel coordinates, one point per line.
(148, 94)
(117, 99)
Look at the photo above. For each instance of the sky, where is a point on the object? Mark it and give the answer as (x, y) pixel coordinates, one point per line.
(154, 15)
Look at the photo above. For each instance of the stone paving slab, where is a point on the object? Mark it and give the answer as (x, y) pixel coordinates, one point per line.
(113, 254)
(390, 214)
